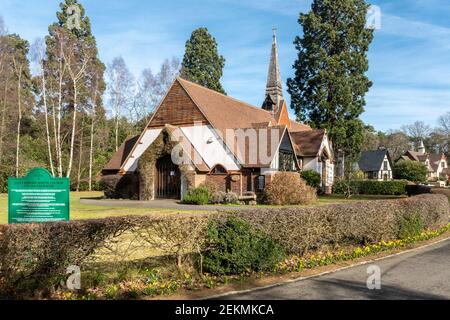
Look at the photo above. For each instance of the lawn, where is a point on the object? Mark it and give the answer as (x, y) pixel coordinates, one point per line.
(80, 211)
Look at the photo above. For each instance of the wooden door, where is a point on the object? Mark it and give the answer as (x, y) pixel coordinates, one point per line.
(168, 179)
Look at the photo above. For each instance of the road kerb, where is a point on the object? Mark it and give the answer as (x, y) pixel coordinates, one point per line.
(232, 293)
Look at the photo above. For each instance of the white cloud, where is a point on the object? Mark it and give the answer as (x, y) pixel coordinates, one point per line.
(392, 107)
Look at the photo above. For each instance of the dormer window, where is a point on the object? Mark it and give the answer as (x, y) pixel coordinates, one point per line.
(218, 169)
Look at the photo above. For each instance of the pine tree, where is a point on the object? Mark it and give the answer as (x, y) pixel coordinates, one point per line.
(202, 63)
(330, 84)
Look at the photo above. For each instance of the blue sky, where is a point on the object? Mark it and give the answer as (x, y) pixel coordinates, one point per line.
(409, 58)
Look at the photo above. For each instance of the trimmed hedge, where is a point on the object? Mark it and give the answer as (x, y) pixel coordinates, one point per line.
(445, 192)
(372, 187)
(361, 222)
(34, 257)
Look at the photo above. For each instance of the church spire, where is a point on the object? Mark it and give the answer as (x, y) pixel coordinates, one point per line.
(274, 89)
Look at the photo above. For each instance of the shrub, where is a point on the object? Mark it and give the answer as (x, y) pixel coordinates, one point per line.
(120, 187)
(300, 229)
(198, 196)
(410, 170)
(231, 198)
(311, 177)
(371, 187)
(217, 197)
(288, 188)
(410, 226)
(235, 247)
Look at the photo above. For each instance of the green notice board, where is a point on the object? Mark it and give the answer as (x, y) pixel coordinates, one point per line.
(38, 197)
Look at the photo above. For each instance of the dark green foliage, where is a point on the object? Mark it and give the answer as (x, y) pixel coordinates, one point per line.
(329, 85)
(202, 63)
(311, 177)
(413, 171)
(198, 196)
(371, 187)
(417, 189)
(410, 226)
(235, 247)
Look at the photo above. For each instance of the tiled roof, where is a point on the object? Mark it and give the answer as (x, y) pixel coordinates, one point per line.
(416, 156)
(371, 161)
(224, 112)
(121, 155)
(297, 127)
(308, 143)
(435, 160)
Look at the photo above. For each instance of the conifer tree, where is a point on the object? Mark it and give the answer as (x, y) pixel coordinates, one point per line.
(202, 63)
(330, 84)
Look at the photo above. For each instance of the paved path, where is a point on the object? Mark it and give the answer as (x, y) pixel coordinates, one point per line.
(421, 274)
(159, 204)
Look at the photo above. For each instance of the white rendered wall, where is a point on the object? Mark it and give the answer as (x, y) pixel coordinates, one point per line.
(147, 139)
(210, 147)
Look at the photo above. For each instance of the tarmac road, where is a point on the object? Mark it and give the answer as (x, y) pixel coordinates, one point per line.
(420, 274)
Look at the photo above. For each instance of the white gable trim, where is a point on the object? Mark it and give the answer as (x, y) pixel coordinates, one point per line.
(144, 142)
(325, 146)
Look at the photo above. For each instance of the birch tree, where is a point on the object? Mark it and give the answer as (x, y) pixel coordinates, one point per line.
(120, 91)
(38, 49)
(98, 86)
(76, 67)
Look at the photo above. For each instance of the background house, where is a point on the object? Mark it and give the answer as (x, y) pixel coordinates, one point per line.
(437, 164)
(376, 165)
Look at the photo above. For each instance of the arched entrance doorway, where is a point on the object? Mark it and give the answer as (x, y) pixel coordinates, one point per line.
(168, 179)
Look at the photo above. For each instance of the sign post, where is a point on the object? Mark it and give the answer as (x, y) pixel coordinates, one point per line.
(38, 197)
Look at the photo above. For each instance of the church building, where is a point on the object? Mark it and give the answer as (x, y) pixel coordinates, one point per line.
(198, 136)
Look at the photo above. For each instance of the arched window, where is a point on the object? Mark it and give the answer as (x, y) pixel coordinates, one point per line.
(218, 169)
